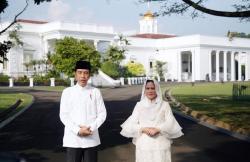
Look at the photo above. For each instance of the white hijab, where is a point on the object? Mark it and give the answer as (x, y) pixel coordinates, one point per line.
(151, 107)
(150, 110)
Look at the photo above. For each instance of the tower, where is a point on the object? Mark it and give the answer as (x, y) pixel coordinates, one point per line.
(148, 24)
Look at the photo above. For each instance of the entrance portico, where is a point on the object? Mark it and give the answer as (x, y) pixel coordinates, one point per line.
(227, 66)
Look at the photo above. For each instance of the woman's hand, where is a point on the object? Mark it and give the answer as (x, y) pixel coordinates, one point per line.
(150, 131)
(154, 131)
(146, 130)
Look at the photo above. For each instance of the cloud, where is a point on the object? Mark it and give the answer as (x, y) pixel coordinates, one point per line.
(82, 14)
(58, 10)
(70, 12)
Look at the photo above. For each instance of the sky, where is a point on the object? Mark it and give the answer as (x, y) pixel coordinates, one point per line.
(124, 15)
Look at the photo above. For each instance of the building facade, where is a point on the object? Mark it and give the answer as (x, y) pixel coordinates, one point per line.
(188, 58)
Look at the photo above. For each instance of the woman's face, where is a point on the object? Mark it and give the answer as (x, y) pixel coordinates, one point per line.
(150, 91)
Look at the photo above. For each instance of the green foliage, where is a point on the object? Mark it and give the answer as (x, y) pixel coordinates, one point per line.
(214, 100)
(135, 69)
(22, 79)
(40, 1)
(4, 4)
(110, 69)
(53, 74)
(69, 50)
(123, 71)
(114, 54)
(38, 78)
(4, 48)
(14, 37)
(230, 35)
(4, 78)
(159, 67)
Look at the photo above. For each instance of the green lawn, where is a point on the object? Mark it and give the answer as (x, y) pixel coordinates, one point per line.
(214, 100)
(6, 100)
(48, 88)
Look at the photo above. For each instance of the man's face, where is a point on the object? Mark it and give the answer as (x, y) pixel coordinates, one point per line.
(82, 76)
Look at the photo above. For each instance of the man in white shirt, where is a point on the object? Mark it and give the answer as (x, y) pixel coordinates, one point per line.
(82, 111)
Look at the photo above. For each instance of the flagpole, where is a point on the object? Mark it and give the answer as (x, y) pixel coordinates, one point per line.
(149, 4)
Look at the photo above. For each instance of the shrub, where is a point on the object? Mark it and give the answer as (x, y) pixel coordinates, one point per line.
(4, 78)
(135, 69)
(110, 69)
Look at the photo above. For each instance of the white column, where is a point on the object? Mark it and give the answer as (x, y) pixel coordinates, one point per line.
(232, 67)
(52, 82)
(210, 66)
(72, 83)
(46, 46)
(179, 67)
(11, 82)
(158, 78)
(135, 80)
(31, 82)
(239, 68)
(129, 81)
(246, 68)
(217, 66)
(225, 66)
(189, 60)
(246, 72)
(96, 43)
(193, 65)
(122, 81)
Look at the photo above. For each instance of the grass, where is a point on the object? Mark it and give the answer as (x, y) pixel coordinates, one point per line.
(214, 100)
(48, 88)
(6, 100)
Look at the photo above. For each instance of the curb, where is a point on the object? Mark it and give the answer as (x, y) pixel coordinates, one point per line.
(8, 120)
(11, 108)
(219, 129)
(243, 137)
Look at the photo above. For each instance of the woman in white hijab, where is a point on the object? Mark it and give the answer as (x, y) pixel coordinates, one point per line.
(152, 126)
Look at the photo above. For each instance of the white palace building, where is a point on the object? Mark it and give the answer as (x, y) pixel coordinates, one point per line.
(189, 58)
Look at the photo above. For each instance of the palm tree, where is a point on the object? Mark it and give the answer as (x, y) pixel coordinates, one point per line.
(34, 63)
(26, 64)
(39, 62)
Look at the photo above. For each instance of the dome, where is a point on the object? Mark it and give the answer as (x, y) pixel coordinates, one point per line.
(148, 15)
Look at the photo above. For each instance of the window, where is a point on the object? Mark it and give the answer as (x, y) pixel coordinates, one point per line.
(132, 58)
(151, 64)
(27, 56)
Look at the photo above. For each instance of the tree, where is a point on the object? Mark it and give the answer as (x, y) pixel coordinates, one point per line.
(14, 37)
(27, 65)
(34, 63)
(114, 54)
(135, 69)
(6, 45)
(241, 9)
(110, 68)
(159, 67)
(69, 50)
(231, 35)
(4, 48)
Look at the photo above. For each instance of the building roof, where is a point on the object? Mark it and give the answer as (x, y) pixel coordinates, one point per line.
(31, 21)
(148, 15)
(153, 36)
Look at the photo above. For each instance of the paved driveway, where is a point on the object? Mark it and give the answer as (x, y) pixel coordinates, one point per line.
(36, 135)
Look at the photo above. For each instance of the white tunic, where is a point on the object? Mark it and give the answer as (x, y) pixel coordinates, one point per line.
(81, 106)
(157, 148)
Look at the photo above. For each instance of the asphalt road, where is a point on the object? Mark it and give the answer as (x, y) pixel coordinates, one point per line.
(36, 135)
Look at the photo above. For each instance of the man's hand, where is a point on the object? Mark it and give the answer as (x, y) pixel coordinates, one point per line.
(84, 131)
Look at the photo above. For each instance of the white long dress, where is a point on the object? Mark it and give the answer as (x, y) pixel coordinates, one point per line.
(159, 115)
